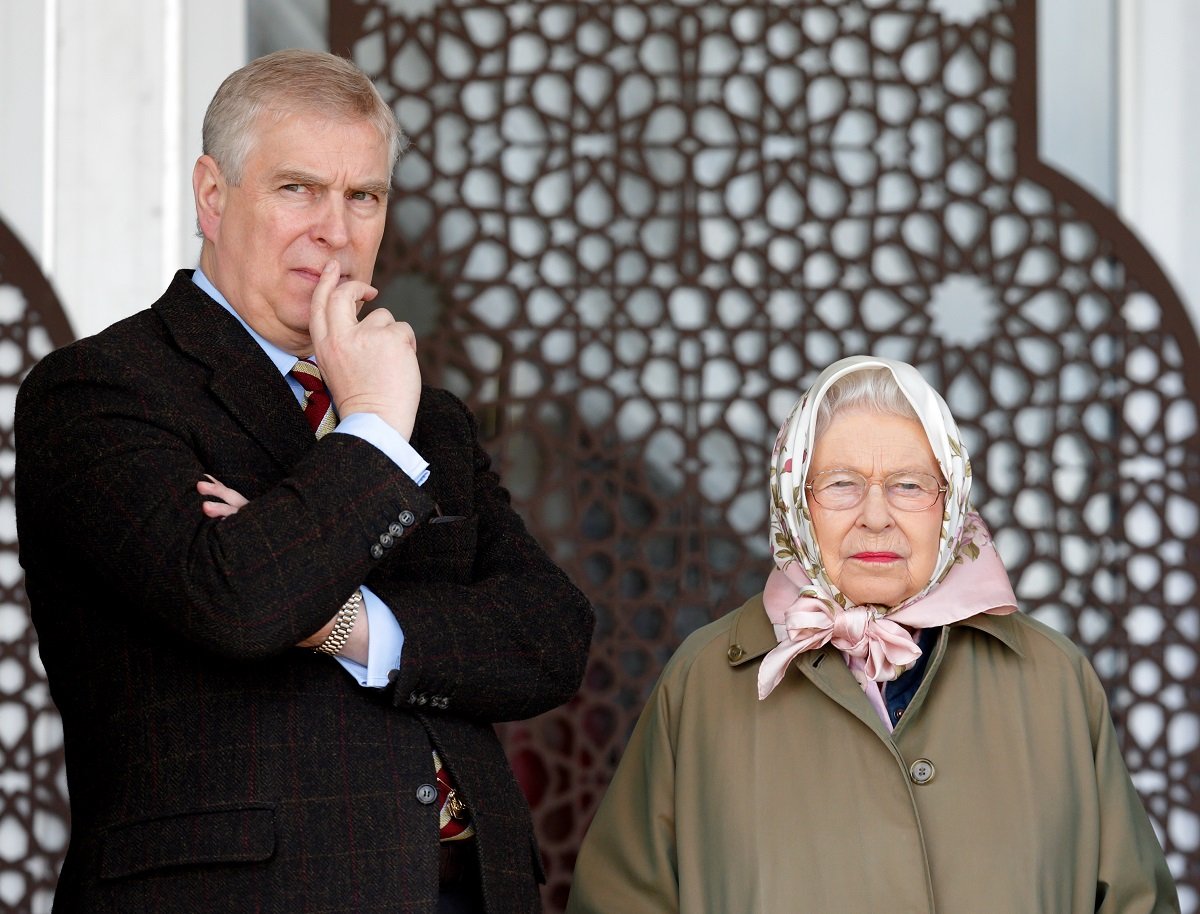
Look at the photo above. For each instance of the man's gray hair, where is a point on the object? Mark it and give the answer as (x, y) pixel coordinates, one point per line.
(872, 390)
(294, 81)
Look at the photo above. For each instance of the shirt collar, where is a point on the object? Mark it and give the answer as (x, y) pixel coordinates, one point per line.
(282, 360)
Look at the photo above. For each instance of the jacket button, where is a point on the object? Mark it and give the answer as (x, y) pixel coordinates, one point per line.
(426, 794)
(376, 551)
(407, 518)
(386, 540)
(395, 529)
(921, 771)
(735, 653)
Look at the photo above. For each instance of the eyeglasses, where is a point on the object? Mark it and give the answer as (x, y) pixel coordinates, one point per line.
(840, 490)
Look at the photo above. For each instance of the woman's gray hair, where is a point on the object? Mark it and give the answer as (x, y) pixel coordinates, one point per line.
(287, 82)
(872, 390)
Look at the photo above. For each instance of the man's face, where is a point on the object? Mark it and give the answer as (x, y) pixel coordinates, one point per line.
(313, 190)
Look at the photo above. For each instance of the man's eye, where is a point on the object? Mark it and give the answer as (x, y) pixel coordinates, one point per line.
(364, 195)
(293, 188)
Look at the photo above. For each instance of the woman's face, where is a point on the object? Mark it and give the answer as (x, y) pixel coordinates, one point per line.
(875, 553)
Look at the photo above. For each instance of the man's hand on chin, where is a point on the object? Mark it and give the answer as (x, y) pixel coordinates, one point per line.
(369, 366)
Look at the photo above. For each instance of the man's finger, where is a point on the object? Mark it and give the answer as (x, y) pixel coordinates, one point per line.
(340, 313)
(318, 317)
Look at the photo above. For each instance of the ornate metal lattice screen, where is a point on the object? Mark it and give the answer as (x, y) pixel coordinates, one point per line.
(33, 783)
(631, 232)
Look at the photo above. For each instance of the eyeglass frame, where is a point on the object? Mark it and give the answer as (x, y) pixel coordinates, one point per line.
(869, 481)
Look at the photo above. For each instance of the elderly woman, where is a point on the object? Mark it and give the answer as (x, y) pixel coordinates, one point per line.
(880, 729)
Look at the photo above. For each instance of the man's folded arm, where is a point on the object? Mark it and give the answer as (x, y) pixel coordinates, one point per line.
(510, 643)
(108, 472)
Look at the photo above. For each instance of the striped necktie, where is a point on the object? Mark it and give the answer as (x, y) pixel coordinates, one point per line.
(454, 822)
(318, 408)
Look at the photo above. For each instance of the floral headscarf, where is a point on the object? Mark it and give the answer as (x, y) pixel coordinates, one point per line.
(806, 607)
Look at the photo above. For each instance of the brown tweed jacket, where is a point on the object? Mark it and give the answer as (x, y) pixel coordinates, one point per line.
(212, 766)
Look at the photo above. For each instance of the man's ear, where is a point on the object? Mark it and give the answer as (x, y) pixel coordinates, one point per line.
(210, 189)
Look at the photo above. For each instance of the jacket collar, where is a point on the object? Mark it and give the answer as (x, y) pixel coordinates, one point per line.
(240, 375)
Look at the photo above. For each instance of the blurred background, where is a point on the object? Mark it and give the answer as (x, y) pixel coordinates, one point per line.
(629, 234)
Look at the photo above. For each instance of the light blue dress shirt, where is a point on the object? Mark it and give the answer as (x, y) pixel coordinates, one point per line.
(386, 641)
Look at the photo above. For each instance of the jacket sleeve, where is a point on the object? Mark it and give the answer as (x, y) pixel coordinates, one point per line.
(510, 642)
(109, 454)
(1133, 876)
(628, 861)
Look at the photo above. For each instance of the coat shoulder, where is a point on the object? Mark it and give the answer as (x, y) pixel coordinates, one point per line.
(118, 347)
(1039, 638)
(709, 644)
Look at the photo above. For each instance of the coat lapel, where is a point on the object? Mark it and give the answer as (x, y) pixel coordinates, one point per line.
(240, 376)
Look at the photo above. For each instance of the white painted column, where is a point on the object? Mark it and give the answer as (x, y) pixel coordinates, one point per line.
(1159, 135)
(26, 129)
(100, 111)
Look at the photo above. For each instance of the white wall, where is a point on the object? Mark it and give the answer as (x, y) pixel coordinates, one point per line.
(100, 109)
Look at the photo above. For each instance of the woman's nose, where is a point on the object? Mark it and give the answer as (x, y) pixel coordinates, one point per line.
(875, 512)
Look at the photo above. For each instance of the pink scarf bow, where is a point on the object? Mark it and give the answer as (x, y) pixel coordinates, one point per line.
(883, 648)
(877, 648)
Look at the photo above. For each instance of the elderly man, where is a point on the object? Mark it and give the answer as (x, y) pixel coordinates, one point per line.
(281, 597)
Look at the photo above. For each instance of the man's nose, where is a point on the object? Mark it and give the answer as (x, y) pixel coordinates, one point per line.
(332, 226)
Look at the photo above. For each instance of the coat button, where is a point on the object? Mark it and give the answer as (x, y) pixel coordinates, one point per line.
(735, 653)
(395, 529)
(386, 540)
(921, 771)
(426, 794)
(376, 551)
(407, 518)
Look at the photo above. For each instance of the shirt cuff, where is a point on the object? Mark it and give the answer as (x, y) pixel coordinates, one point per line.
(370, 428)
(384, 646)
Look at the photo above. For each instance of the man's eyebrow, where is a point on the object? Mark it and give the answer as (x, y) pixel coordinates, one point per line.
(378, 188)
(293, 176)
(290, 176)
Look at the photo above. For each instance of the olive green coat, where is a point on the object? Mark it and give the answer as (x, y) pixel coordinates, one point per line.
(804, 803)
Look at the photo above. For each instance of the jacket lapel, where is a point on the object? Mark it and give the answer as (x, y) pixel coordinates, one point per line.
(240, 376)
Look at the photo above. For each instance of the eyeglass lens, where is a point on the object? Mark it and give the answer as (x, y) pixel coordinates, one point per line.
(841, 489)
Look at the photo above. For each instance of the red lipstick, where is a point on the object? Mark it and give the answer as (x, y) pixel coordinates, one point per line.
(876, 556)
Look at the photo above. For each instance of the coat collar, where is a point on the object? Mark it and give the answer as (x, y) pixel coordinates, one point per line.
(1005, 629)
(751, 634)
(240, 375)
